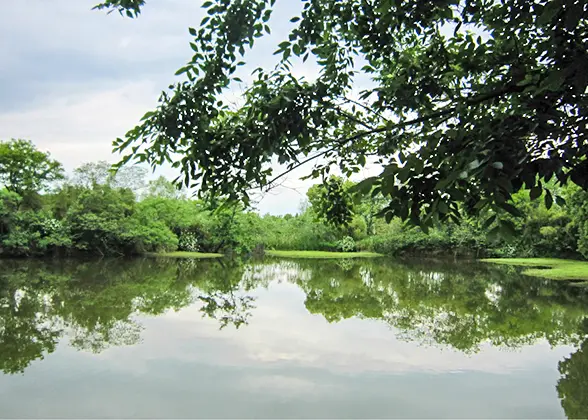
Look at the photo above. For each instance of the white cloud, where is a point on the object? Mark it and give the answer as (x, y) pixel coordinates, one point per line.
(80, 127)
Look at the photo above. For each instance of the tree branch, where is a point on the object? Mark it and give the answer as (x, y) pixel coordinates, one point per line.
(389, 127)
(367, 108)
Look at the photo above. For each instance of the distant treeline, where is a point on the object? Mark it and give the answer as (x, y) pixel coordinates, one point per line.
(97, 212)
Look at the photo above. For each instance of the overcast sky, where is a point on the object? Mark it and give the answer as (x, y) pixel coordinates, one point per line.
(73, 79)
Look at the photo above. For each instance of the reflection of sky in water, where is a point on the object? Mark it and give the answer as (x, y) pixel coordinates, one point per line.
(285, 363)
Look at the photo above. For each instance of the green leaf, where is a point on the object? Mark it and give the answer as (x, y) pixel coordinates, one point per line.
(548, 199)
(549, 12)
(183, 70)
(474, 164)
(507, 228)
(510, 209)
(442, 207)
(535, 192)
(489, 221)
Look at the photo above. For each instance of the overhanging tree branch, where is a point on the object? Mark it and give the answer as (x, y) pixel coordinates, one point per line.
(390, 127)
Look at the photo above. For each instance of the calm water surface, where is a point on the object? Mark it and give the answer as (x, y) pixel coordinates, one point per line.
(282, 338)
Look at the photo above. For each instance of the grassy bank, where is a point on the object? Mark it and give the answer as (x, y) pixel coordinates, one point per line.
(321, 254)
(184, 254)
(551, 268)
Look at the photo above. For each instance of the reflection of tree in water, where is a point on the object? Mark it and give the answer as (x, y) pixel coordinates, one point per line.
(572, 387)
(461, 307)
(223, 294)
(122, 332)
(26, 332)
(94, 302)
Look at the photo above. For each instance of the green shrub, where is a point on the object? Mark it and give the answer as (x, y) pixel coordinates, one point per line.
(347, 244)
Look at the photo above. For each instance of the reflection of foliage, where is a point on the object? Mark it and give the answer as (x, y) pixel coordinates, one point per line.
(25, 334)
(223, 297)
(441, 304)
(572, 387)
(26, 328)
(346, 264)
(95, 302)
(118, 333)
(229, 309)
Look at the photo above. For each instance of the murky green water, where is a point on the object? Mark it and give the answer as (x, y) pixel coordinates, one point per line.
(368, 339)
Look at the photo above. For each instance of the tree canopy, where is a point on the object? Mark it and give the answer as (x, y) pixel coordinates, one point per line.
(102, 173)
(24, 169)
(469, 102)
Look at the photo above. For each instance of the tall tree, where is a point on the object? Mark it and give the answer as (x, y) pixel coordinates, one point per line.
(161, 187)
(471, 101)
(102, 173)
(24, 169)
(90, 174)
(331, 201)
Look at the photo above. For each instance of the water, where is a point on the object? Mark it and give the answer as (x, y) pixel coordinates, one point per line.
(171, 338)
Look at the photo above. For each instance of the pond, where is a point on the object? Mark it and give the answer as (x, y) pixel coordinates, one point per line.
(179, 338)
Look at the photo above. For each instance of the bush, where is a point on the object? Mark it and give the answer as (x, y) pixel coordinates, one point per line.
(138, 238)
(347, 244)
(188, 242)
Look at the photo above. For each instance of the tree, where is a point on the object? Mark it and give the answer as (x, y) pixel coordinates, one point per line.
(471, 102)
(103, 220)
(578, 203)
(336, 202)
(102, 173)
(93, 173)
(331, 201)
(24, 169)
(163, 188)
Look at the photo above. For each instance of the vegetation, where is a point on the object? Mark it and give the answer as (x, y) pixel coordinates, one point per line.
(551, 268)
(571, 388)
(468, 105)
(100, 212)
(321, 254)
(184, 254)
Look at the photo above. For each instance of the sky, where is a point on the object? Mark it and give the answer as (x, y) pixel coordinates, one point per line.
(73, 79)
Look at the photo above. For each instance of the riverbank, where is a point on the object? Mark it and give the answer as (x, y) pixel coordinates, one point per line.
(321, 254)
(551, 268)
(184, 254)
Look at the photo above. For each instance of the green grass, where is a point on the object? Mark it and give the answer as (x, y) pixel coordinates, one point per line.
(321, 254)
(184, 254)
(551, 268)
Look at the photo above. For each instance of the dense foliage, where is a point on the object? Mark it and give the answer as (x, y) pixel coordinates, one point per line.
(25, 170)
(467, 104)
(100, 212)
